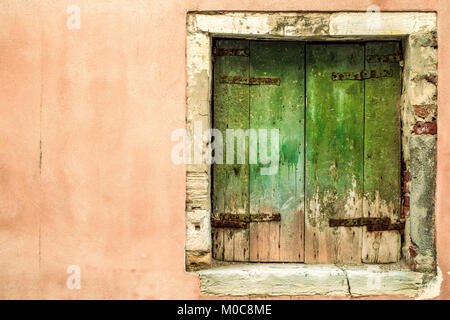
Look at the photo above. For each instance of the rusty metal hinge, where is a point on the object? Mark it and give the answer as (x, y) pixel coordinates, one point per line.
(372, 224)
(384, 58)
(230, 220)
(399, 226)
(361, 75)
(251, 81)
(231, 52)
(217, 223)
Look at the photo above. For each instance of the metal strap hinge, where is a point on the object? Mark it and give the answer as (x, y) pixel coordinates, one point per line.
(230, 52)
(231, 220)
(251, 81)
(384, 58)
(361, 75)
(372, 224)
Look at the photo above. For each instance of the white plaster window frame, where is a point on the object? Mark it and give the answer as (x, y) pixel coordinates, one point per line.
(416, 30)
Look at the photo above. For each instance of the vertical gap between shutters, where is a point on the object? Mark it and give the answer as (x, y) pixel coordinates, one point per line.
(248, 153)
(363, 152)
(400, 132)
(364, 128)
(212, 119)
(249, 121)
(305, 102)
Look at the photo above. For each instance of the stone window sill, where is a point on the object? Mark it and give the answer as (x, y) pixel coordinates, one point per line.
(276, 279)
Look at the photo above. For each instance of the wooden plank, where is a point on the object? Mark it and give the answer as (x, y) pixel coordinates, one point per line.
(241, 245)
(228, 244)
(263, 241)
(334, 152)
(231, 111)
(217, 243)
(382, 154)
(274, 241)
(264, 244)
(254, 241)
(279, 107)
(295, 222)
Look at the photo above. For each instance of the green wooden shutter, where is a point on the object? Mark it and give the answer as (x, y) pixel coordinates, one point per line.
(350, 164)
(231, 181)
(279, 107)
(334, 152)
(245, 97)
(382, 154)
(352, 151)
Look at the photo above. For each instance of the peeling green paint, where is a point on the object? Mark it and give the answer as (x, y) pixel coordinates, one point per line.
(334, 132)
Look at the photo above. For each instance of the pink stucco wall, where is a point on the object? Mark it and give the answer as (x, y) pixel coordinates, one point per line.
(85, 123)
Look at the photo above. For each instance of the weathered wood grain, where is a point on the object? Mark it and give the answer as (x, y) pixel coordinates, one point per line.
(254, 241)
(241, 245)
(231, 181)
(352, 153)
(279, 107)
(382, 154)
(334, 152)
(228, 244)
(217, 243)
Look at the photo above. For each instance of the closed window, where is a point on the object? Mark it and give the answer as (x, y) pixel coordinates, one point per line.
(314, 130)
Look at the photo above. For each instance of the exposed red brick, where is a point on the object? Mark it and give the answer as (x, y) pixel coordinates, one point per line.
(412, 265)
(425, 127)
(405, 208)
(406, 176)
(405, 188)
(406, 201)
(424, 111)
(405, 179)
(412, 252)
(405, 212)
(433, 80)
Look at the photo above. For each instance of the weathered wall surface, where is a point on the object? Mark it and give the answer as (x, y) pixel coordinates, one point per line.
(86, 119)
